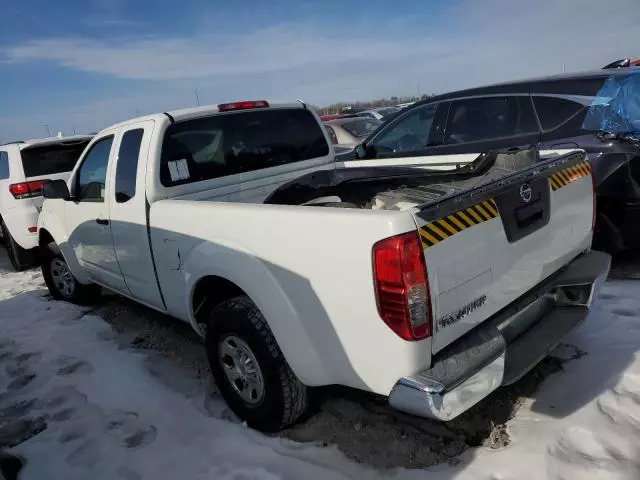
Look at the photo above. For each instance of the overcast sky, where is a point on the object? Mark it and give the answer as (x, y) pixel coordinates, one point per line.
(84, 64)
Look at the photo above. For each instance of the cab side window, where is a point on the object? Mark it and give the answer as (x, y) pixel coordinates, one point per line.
(92, 176)
(127, 168)
(490, 118)
(410, 133)
(4, 165)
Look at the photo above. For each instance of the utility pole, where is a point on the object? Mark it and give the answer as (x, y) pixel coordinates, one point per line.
(197, 97)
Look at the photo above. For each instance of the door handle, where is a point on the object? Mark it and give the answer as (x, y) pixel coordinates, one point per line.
(102, 221)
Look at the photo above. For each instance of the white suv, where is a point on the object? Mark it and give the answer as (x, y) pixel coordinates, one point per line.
(24, 166)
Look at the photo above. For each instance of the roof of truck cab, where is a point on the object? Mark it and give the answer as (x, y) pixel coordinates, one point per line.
(196, 112)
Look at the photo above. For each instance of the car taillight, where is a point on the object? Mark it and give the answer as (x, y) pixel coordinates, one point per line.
(26, 189)
(402, 289)
(228, 107)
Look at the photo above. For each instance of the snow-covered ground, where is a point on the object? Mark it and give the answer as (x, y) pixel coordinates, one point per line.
(121, 392)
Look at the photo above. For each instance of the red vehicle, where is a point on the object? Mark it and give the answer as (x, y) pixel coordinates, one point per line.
(326, 118)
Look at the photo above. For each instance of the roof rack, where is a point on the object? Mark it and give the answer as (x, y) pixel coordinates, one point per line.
(11, 143)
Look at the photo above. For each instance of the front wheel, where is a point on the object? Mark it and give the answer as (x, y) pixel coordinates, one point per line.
(60, 281)
(251, 373)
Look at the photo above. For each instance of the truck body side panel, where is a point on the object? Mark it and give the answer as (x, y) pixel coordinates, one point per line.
(308, 269)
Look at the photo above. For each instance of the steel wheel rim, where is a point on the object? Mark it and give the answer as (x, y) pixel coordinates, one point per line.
(62, 277)
(241, 369)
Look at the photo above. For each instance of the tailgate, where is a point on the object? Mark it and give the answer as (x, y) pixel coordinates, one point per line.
(486, 247)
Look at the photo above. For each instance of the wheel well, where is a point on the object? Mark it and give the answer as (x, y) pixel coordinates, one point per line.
(209, 292)
(44, 238)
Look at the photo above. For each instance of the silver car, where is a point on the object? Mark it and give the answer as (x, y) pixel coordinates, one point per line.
(349, 132)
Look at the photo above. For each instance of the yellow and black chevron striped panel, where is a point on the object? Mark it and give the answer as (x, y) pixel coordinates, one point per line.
(443, 228)
(565, 177)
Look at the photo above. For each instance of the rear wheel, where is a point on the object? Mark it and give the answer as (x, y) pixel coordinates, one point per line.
(251, 373)
(20, 258)
(60, 281)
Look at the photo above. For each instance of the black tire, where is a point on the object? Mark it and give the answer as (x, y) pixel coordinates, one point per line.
(20, 258)
(79, 294)
(285, 398)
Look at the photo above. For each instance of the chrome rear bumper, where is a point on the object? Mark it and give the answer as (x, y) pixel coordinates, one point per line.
(506, 346)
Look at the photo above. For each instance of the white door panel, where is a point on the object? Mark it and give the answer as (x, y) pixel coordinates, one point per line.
(87, 217)
(127, 213)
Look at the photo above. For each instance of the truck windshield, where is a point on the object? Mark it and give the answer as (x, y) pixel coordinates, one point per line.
(51, 159)
(239, 142)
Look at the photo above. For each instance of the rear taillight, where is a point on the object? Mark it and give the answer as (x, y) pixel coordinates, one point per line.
(228, 107)
(27, 189)
(402, 290)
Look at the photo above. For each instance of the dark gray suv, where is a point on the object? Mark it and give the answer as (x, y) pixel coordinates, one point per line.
(548, 113)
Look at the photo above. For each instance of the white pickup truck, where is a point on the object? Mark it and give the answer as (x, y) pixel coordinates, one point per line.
(432, 288)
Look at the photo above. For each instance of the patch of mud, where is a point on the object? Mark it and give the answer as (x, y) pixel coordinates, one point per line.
(368, 431)
(145, 329)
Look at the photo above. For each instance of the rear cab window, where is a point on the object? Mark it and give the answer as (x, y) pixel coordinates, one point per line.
(238, 142)
(44, 160)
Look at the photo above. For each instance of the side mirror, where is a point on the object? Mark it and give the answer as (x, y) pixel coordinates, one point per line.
(364, 151)
(55, 189)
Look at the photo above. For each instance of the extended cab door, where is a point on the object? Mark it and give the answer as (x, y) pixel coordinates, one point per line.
(87, 215)
(128, 213)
